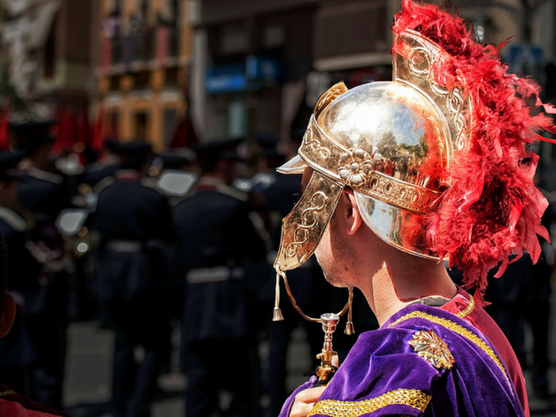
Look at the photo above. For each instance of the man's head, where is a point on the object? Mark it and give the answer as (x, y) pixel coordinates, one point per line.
(9, 175)
(218, 158)
(134, 155)
(435, 161)
(35, 138)
(363, 144)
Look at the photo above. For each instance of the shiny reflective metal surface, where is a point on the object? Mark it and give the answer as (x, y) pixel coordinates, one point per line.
(389, 143)
(415, 66)
(304, 226)
(326, 369)
(400, 228)
(386, 128)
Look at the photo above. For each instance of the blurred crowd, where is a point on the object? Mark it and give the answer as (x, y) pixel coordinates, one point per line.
(150, 245)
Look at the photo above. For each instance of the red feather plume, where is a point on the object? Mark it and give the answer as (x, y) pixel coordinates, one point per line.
(493, 209)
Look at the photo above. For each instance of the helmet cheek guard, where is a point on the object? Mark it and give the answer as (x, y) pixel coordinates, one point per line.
(302, 229)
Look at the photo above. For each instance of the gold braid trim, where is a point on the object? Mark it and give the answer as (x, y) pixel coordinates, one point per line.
(4, 394)
(462, 331)
(333, 408)
(467, 310)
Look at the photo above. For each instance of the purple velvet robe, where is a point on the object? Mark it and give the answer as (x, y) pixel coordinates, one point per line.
(383, 375)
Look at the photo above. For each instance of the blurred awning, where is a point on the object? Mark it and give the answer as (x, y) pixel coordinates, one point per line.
(42, 23)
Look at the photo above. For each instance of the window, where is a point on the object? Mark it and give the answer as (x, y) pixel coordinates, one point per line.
(143, 8)
(50, 54)
(114, 6)
(173, 10)
(171, 76)
(113, 123)
(114, 83)
(170, 122)
(237, 118)
(141, 125)
(141, 79)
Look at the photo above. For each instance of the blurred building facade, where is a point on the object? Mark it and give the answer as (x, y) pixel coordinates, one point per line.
(249, 60)
(250, 68)
(45, 46)
(259, 67)
(141, 55)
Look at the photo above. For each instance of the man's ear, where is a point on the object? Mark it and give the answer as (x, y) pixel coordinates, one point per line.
(353, 216)
(8, 315)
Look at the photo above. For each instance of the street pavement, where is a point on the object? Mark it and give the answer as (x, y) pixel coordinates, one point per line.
(87, 387)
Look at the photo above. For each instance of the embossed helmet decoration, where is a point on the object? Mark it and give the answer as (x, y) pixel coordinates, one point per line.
(438, 159)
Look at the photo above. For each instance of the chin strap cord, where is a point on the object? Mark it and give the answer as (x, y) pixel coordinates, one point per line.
(350, 330)
(277, 313)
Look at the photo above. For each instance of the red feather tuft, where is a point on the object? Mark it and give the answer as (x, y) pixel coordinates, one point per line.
(493, 209)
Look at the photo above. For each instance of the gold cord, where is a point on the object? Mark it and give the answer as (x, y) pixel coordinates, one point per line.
(349, 329)
(277, 313)
(280, 273)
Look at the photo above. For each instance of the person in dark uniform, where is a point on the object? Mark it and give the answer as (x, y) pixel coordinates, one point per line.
(522, 297)
(171, 163)
(42, 192)
(280, 198)
(217, 239)
(180, 160)
(273, 199)
(134, 223)
(17, 352)
(42, 195)
(12, 403)
(105, 167)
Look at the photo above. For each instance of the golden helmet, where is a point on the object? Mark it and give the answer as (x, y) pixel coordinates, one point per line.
(391, 142)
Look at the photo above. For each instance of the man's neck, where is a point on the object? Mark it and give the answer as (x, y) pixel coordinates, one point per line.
(394, 287)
